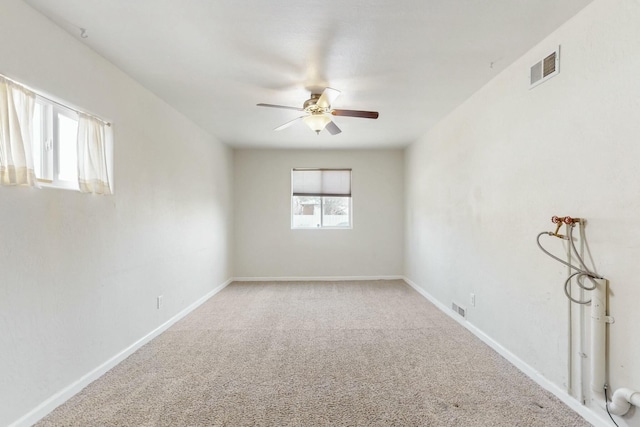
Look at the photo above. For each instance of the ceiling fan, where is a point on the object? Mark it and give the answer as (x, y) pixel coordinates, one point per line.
(318, 108)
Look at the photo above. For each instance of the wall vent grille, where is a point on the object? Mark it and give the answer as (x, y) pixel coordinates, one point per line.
(461, 311)
(544, 69)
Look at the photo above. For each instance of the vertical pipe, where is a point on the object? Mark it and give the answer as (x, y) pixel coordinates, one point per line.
(582, 325)
(598, 335)
(570, 326)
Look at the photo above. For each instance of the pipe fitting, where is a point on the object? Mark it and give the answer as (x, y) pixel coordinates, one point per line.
(560, 221)
(622, 400)
(564, 220)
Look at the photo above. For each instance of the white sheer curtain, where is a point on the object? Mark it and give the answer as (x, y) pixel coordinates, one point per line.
(92, 158)
(16, 118)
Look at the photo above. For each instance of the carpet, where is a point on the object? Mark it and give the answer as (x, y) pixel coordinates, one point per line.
(362, 353)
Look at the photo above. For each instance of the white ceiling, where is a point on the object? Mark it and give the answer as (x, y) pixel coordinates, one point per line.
(214, 60)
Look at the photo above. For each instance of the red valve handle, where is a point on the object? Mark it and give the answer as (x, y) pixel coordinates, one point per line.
(564, 219)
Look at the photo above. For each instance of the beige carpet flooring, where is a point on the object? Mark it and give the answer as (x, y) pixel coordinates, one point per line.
(315, 354)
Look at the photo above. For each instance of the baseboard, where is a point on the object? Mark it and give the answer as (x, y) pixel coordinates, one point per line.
(66, 393)
(529, 371)
(315, 278)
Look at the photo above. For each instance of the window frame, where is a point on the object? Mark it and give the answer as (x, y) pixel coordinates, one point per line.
(322, 198)
(49, 144)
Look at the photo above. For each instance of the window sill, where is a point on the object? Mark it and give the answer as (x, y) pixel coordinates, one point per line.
(58, 186)
(322, 228)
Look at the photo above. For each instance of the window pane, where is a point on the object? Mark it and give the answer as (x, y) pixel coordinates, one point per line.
(306, 211)
(67, 143)
(336, 211)
(336, 182)
(42, 145)
(306, 181)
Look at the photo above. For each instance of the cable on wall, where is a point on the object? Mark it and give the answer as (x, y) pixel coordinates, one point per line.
(582, 272)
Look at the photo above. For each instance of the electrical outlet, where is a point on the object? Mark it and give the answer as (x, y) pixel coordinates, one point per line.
(473, 300)
(160, 301)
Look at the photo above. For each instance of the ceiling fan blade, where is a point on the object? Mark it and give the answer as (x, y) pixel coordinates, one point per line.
(333, 128)
(289, 123)
(280, 106)
(328, 96)
(356, 113)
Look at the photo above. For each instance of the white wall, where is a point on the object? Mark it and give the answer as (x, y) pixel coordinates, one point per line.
(488, 178)
(79, 274)
(265, 244)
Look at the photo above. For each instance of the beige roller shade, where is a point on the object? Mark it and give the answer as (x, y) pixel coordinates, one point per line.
(321, 182)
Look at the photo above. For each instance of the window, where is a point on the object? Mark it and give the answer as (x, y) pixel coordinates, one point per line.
(46, 143)
(55, 146)
(321, 198)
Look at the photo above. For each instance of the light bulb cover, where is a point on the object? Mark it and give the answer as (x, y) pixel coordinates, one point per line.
(316, 122)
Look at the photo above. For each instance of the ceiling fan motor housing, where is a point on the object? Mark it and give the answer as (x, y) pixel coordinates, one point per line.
(310, 105)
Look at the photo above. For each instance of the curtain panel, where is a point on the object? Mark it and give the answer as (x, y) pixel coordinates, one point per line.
(17, 106)
(92, 159)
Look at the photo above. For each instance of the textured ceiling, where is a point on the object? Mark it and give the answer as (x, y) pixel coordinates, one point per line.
(214, 60)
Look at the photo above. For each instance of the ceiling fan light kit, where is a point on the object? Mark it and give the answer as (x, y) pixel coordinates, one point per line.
(316, 122)
(318, 109)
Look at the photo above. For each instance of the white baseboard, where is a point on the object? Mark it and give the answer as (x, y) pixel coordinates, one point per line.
(315, 278)
(72, 389)
(586, 413)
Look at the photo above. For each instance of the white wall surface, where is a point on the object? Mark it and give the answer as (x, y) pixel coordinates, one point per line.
(79, 274)
(488, 178)
(265, 244)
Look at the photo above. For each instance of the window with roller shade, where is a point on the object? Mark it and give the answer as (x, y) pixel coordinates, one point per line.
(321, 198)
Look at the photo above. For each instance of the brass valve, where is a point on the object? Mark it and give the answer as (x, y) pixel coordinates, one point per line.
(559, 221)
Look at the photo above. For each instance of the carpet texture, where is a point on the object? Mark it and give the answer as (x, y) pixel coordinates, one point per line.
(315, 354)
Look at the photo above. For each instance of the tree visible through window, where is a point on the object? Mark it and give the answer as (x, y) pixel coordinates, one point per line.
(321, 198)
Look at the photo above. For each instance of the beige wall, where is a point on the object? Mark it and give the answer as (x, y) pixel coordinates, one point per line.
(80, 274)
(484, 181)
(266, 246)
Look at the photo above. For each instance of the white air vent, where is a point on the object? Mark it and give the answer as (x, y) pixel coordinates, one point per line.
(546, 68)
(461, 311)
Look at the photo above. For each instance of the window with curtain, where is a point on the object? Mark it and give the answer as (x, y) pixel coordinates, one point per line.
(321, 198)
(47, 144)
